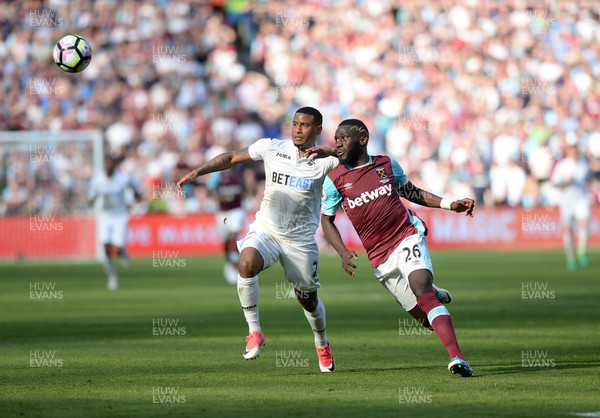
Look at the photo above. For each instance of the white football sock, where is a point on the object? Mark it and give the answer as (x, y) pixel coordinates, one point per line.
(249, 294)
(568, 241)
(582, 241)
(317, 322)
(110, 268)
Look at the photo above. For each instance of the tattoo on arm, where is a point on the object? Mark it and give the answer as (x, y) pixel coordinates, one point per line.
(219, 163)
(223, 162)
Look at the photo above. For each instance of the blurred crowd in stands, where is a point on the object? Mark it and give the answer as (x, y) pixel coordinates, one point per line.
(473, 98)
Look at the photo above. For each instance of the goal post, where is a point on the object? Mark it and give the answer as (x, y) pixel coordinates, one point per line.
(44, 213)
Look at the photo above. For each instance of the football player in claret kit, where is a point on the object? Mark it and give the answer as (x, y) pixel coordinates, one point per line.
(285, 225)
(368, 188)
(228, 186)
(111, 187)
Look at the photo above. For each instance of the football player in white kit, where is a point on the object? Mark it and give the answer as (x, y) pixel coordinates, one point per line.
(111, 188)
(572, 175)
(285, 225)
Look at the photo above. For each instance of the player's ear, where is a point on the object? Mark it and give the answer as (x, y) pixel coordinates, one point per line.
(319, 129)
(364, 140)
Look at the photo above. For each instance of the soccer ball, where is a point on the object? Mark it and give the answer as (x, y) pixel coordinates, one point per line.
(72, 53)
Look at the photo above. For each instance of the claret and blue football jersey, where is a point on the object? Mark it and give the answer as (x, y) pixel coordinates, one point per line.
(369, 196)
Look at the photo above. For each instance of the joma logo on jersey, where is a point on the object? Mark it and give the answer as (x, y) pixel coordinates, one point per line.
(279, 154)
(292, 181)
(367, 197)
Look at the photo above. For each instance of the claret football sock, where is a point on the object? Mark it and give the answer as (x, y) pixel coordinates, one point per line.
(316, 319)
(231, 252)
(440, 321)
(249, 294)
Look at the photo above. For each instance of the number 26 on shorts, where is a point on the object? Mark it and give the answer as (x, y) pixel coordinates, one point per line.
(416, 252)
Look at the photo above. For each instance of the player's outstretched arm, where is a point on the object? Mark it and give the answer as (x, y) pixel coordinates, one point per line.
(320, 152)
(424, 198)
(219, 163)
(332, 234)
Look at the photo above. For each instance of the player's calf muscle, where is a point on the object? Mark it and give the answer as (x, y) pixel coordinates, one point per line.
(420, 281)
(308, 300)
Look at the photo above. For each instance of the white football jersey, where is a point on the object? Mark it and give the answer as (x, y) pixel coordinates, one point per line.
(112, 191)
(572, 175)
(290, 208)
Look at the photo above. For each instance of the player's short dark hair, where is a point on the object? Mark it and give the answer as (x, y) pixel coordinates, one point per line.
(356, 124)
(307, 110)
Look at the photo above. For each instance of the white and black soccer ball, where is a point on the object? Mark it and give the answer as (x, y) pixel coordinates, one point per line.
(72, 53)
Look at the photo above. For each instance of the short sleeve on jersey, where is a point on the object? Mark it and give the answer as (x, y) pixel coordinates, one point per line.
(401, 178)
(332, 199)
(332, 162)
(258, 149)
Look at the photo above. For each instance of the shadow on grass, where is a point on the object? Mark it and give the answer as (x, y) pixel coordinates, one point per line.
(517, 368)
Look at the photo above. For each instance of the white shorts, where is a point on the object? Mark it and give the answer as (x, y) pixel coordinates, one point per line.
(112, 229)
(298, 259)
(579, 209)
(231, 221)
(412, 254)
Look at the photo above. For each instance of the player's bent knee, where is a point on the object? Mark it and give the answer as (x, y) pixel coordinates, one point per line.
(251, 263)
(247, 268)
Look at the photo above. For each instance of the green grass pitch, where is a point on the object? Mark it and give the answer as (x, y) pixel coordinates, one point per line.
(169, 342)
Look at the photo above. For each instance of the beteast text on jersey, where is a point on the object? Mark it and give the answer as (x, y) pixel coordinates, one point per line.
(292, 181)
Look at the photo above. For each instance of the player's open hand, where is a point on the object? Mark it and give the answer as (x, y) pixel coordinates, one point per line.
(347, 263)
(463, 205)
(184, 180)
(319, 152)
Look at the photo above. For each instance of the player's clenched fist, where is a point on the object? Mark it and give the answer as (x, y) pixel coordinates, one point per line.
(463, 205)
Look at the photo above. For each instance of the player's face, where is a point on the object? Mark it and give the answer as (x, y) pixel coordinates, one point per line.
(304, 132)
(109, 166)
(347, 144)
